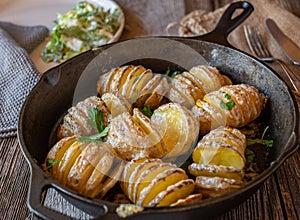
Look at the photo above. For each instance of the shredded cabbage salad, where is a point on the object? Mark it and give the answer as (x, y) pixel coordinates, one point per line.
(84, 27)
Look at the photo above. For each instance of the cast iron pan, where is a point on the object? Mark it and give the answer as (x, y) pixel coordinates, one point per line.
(53, 95)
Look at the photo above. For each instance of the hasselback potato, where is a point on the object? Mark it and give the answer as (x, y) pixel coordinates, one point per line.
(178, 128)
(151, 182)
(188, 87)
(76, 121)
(232, 105)
(90, 169)
(134, 136)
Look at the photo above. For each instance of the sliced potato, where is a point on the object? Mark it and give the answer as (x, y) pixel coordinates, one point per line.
(147, 90)
(147, 177)
(177, 126)
(132, 76)
(84, 165)
(118, 78)
(215, 186)
(116, 103)
(135, 136)
(104, 81)
(57, 152)
(68, 160)
(173, 193)
(94, 184)
(76, 121)
(160, 183)
(178, 85)
(218, 149)
(215, 170)
(158, 93)
(139, 84)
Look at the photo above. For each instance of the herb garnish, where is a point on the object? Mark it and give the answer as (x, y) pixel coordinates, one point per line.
(96, 120)
(250, 155)
(172, 74)
(268, 143)
(146, 111)
(50, 163)
(227, 105)
(96, 138)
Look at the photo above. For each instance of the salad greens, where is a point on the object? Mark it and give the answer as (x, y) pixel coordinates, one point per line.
(84, 27)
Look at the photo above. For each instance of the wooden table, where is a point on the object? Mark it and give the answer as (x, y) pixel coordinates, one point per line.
(278, 198)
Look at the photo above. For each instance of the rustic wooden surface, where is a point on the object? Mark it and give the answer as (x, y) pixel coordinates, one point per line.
(278, 198)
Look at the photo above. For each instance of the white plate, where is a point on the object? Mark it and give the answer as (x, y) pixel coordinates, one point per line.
(44, 12)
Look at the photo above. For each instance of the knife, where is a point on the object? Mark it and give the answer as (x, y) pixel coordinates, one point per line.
(288, 47)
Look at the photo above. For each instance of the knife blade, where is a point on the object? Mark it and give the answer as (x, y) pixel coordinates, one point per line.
(288, 47)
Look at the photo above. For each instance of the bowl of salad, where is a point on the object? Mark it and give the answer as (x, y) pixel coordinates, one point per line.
(89, 24)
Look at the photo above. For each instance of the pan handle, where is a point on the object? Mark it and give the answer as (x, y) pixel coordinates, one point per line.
(227, 24)
(39, 183)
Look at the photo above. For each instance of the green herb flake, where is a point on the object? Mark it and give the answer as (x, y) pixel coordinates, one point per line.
(146, 111)
(96, 138)
(50, 163)
(172, 74)
(227, 96)
(268, 143)
(96, 119)
(227, 105)
(250, 156)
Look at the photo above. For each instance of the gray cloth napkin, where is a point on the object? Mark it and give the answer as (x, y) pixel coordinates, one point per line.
(18, 74)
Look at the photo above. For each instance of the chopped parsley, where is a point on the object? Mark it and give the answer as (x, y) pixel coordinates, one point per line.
(227, 105)
(146, 111)
(96, 120)
(50, 163)
(172, 74)
(268, 143)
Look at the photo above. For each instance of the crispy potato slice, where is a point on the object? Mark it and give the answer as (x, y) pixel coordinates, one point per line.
(104, 81)
(68, 160)
(155, 138)
(189, 199)
(112, 179)
(223, 155)
(160, 183)
(139, 169)
(190, 86)
(196, 82)
(215, 149)
(216, 170)
(118, 78)
(94, 184)
(173, 193)
(210, 76)
(147, 91)
(84, 165)
(215, 186)
(147, 177)
(183, 89)
(158, 94)
(57, 152)
(116, 103)
(128, 169)
(132, 76)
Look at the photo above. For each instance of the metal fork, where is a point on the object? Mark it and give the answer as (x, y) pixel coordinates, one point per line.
(257, 46)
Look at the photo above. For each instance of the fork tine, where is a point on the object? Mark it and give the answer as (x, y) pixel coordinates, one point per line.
(248, 38)
(261, 43)
(252, 41)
